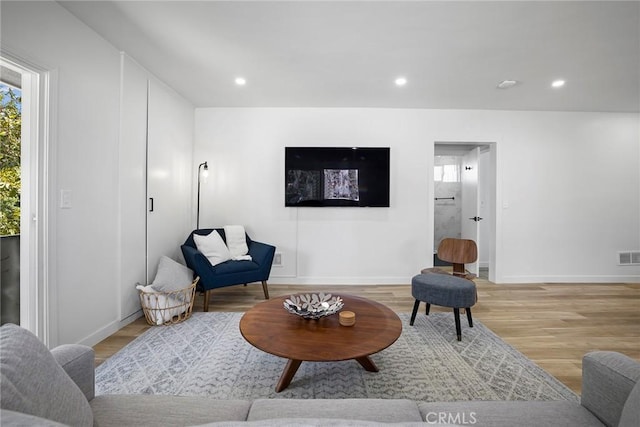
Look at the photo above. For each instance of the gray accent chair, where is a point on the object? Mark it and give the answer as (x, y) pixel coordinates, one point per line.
(444, 290)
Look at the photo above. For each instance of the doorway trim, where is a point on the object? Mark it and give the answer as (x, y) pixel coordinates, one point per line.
(495, 273)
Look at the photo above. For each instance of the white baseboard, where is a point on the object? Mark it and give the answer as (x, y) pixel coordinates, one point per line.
(308, 280)
(109, 329)
(571, 279)
(340, 280)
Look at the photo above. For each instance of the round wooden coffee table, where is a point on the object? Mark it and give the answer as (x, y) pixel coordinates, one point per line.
(272, 329)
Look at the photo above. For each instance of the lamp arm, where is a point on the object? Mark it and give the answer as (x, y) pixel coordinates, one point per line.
(206, 167)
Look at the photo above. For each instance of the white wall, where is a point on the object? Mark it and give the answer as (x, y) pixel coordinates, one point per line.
(567, 191)
(85, 270)
(85, 160)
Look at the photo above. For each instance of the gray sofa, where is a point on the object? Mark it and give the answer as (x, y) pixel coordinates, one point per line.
(52, 388)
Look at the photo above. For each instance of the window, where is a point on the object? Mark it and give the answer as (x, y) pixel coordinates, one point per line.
(446, 173)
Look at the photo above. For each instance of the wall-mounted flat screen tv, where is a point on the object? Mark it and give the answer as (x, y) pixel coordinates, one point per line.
(337, 176)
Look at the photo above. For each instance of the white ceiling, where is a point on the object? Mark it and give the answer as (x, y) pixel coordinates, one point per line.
(348, 53)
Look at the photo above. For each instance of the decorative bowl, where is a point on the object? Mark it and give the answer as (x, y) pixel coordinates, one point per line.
(313, 306)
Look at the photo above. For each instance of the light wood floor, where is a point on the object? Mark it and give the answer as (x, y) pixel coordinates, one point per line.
(552, 324)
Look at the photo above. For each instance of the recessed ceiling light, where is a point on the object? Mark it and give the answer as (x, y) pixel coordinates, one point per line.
(401, 81)
(558, 83)
(241, 81)
(506, 84)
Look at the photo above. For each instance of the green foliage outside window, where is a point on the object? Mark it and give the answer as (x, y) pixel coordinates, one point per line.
(10, 130)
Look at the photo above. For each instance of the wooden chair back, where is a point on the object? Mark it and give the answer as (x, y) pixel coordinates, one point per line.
(458, 252)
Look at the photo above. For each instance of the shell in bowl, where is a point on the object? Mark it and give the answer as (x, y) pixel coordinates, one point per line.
(313, 306)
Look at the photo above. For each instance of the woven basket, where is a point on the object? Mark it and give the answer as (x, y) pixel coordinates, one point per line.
(167, 308)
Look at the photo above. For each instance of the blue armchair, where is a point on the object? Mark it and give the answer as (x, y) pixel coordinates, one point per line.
(230, 272)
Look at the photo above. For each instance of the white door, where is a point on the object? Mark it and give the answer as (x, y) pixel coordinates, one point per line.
(133, 183)
(470, 201)
(169, 174)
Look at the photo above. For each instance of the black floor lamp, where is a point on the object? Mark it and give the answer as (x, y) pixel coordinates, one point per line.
(205, 173)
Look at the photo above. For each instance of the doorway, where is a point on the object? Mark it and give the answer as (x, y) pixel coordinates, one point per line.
(464, 199)
(24, 255)
(10, 193)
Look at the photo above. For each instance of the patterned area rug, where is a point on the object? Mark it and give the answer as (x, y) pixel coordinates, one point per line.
(206, 355)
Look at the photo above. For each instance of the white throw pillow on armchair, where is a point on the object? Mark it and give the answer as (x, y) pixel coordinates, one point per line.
(213, 247)
(236, 241)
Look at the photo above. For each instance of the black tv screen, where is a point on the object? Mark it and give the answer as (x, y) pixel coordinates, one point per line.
(337, 176)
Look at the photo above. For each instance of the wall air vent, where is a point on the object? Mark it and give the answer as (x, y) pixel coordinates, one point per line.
(629, 258)
(277, 259)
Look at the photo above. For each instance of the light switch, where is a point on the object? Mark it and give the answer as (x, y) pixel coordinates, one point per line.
(65, 199)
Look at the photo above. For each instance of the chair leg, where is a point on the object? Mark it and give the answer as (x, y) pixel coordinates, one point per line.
(206, 300)
(469, 319)
(456, 315)
(414, 312)
(265, 289)
(428, 308)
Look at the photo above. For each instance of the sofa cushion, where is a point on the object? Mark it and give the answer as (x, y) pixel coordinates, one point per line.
(139, 410)
(12, 418)
(34, 383)
(213, 247)
(445, 290)
(379, 410)
(509, 413)
(631, 411)
(171, 276)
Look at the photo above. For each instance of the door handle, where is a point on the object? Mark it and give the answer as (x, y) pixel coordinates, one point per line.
(476, 218)
(150, 204)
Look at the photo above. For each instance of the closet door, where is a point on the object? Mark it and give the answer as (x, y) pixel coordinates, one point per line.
(132, 183)
(155, 160)
(169, 181)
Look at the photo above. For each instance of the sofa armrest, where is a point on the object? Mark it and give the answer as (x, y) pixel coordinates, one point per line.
(607, 380)
(78, 362)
